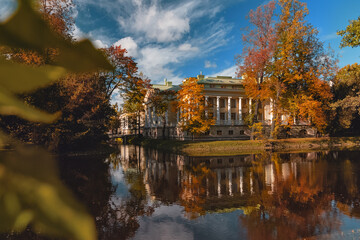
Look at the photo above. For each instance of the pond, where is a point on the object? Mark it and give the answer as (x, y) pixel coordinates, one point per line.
(147, 194)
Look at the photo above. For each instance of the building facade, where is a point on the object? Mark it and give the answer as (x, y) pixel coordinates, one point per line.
(225, 101)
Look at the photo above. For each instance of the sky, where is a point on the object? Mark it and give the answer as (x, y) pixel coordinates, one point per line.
(176, 39)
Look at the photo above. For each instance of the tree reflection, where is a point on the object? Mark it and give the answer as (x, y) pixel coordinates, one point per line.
(122, 214)
(193, 192)
(299, 207)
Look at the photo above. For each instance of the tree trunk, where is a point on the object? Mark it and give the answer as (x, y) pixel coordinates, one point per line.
(164, 127)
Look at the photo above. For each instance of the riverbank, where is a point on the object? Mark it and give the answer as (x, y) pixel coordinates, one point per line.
(237, 147)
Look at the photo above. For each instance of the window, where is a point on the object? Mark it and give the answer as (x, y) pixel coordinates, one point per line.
(231, 132)
(219, 161)
(231, 160)
(233, 103)
(233, 116)
(241, 132)
(223, 86)
(219, 132)
(222, 116)
(222, 102)
(212, 86)
(236, 87)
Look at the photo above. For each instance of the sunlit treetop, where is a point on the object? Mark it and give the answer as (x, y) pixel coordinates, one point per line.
(351, 35)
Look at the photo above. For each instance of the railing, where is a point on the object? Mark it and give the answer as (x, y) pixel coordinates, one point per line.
(231, 123)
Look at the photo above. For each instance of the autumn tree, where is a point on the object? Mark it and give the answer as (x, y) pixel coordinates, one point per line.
(254, 63)
(163, 101)
(302, 66)
(83, 99)
(125, 74)
(351, 35)
(191, 103)
(133, 92)
(114, 123)
(346, 91)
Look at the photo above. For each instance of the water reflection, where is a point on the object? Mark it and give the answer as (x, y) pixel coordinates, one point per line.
(273, 196)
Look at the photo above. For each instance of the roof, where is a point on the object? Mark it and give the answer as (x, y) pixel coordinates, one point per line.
(167, 86)
(220, 80)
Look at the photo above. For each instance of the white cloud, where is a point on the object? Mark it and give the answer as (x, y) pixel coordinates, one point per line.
(159, 34)
(129, 44)
(187, 47)
(99, 44)
(330, 36)
(78, 34)
(116, 98)
(161, 25)
(209, 64)
(231, 72)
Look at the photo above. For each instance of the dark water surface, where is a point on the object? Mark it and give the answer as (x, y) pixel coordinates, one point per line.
(147, 194)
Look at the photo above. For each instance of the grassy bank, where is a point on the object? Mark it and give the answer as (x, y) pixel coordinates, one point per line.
(237, 147)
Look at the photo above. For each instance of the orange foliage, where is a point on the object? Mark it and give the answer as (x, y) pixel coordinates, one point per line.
(192, 106)
(302, 65)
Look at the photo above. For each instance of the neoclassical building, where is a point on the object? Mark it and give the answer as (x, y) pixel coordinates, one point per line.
(225, 101)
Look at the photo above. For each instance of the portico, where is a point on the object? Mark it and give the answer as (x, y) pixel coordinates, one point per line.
(230, 112)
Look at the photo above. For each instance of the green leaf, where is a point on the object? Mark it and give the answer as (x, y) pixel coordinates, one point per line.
(27, 30)
(10, 105)
(20, 78)
(31, 193)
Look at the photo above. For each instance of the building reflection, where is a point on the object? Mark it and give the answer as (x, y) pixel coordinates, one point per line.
(303, 192)
(232, 176)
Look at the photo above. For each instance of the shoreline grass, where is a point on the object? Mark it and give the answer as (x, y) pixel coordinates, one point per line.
(238, 147)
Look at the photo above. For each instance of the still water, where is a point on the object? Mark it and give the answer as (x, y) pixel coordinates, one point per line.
(147, 194)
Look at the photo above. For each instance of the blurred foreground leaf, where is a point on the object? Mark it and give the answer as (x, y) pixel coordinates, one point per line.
(19, 78)
(27, 30)
(31, 194)
(10, 105)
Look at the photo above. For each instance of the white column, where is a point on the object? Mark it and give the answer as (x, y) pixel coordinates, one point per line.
(146, 118)
(241, 181)
(240, 110)
(218, 110)
(229, 110)
(154, 117)
(206, 107)
(271, 110)
(126, 122)
(250, 103)
(251, 184)
(218, 182)
(230, 182)
(149, 117)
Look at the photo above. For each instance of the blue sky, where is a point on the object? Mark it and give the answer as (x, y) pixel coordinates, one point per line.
(178, 39)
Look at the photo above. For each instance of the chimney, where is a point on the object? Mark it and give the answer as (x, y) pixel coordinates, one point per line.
(201, 76)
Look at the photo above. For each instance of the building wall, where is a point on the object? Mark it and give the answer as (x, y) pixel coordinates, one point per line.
(226, 102)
